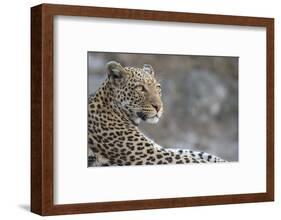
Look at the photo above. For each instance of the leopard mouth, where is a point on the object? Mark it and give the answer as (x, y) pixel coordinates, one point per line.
(145, 117)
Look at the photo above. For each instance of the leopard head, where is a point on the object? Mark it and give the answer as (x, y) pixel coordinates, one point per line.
(136, 91)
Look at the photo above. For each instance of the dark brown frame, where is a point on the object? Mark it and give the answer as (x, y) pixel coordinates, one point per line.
(42, 108)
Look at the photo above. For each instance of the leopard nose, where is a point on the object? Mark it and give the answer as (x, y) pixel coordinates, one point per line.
(157, 107)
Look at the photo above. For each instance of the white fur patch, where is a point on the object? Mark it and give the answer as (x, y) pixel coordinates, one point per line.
(153, 120)
(136, 120)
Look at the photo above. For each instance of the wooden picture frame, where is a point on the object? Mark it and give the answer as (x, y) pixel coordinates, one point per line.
(42, 120)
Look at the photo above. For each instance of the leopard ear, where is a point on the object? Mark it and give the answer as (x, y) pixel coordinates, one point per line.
(148, 69)
(115, 71)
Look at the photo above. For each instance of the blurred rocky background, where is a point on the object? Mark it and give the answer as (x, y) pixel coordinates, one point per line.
(200, 97)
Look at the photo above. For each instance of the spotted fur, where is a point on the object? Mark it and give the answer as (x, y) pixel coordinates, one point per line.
(130, 95)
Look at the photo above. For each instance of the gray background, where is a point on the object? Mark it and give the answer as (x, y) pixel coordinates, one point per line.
(200, 97)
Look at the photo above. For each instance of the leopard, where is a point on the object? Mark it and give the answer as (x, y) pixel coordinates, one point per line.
(128, 96)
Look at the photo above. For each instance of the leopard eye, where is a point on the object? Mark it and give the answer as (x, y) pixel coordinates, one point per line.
(140, 88)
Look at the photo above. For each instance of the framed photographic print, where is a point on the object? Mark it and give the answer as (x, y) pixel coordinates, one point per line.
(138, 109)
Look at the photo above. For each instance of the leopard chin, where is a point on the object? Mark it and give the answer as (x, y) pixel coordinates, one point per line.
(149, 119)
(152, 120)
